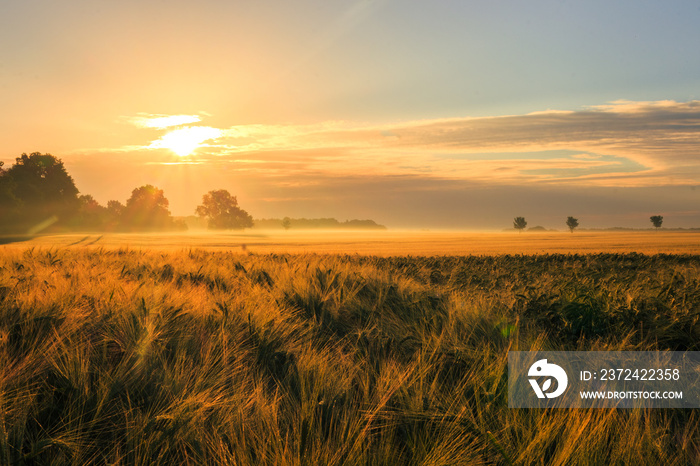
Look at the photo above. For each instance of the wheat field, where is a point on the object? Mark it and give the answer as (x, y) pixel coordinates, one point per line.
(140, 356)
(386, 243)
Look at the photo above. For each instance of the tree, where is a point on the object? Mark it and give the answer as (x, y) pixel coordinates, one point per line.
(286, 223)
(40, 188)
(657, 220)
(91, 215)
(146, 209)
(115, 209)
(572, 223)
(222, 211)
(9, 204)
(519, 223)
(114, 214)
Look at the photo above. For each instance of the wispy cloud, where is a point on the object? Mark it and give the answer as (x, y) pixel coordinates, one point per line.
(621, 143)
(146, 120)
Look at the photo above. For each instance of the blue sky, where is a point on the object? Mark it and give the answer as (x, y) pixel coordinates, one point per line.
(346, 108)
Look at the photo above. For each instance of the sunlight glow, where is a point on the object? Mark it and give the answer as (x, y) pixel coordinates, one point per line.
(163, 121)
(184, 141)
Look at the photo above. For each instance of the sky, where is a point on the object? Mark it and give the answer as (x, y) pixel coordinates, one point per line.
(450, 114)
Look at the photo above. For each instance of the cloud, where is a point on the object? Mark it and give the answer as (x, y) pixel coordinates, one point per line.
(184, 140)
(180, 138)
(613, 164)
(658, 135)
(621, 143)
(652, 143)
(146, 120)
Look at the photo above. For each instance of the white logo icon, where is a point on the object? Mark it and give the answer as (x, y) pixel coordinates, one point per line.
(543, 369)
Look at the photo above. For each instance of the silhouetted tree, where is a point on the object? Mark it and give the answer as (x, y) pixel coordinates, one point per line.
(286, 223)
(519, 223)
(657, 220)
(9, 205)
(572, 223)
(91, 215)
(222, 211)
(146, 209)
(115, 208)
(114, 214)
(40, 189)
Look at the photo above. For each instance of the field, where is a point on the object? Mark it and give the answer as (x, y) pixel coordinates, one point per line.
(164, 353)
(391, 243)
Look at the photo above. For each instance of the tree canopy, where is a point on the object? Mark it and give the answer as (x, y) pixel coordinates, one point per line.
(221, 210)
(146, 209)
(657, 220)
(91, 215)
(37, 189)
(8, 202)
(38, 195)
(572, 223)
(519, 223)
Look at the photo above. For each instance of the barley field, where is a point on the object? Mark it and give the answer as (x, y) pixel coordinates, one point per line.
(384, 243)
(137, 355)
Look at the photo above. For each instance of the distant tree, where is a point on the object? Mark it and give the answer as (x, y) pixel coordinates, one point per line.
(657, 220)
(146, 209)
(115, 209)
(362, 225)
(91, 215)
(180, 224)
(222, 211)
(572, 223)
(40, 188)
(286, 223)
(89, 202)
(519, 223)
(113, 215)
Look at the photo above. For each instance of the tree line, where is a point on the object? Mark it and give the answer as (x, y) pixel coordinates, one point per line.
(519, 223)
(38, 194)
(317, 223)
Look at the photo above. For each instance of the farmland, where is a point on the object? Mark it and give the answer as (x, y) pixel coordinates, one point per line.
(164, 353)
(389, 243)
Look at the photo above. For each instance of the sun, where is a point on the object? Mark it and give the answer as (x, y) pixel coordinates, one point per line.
(184, 141)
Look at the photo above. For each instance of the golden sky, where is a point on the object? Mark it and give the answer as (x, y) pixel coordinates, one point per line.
(459, 115)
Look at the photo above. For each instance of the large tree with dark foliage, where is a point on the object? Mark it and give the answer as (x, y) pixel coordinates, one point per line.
(222, 211)
(37, 189)
(8, 201)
